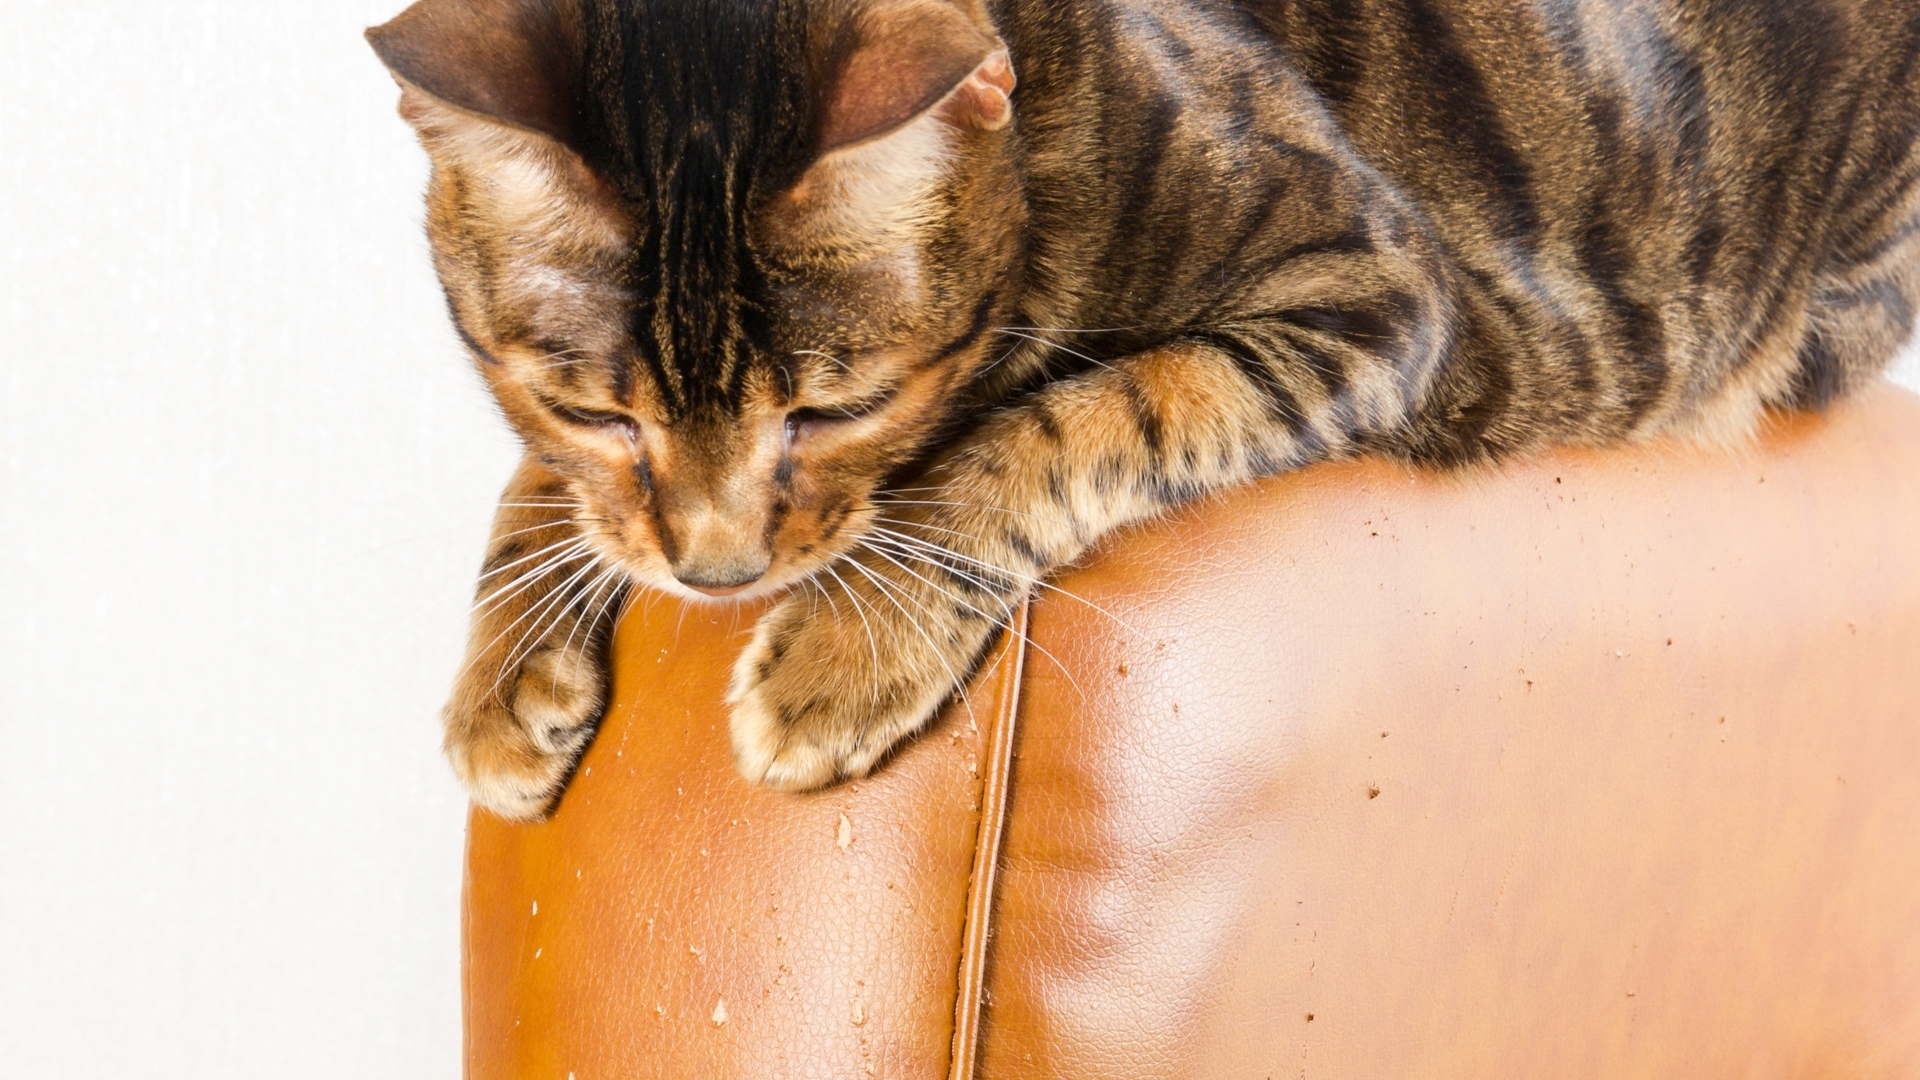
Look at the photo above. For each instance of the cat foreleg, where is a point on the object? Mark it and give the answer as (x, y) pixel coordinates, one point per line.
(867, 652)
(533, 687)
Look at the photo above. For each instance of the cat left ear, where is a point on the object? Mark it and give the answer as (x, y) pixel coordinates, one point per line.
(909, 58)
(515, 61)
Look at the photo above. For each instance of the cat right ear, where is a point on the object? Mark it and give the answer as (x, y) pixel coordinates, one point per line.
(907, 58)
(906, 75)
(513, 61)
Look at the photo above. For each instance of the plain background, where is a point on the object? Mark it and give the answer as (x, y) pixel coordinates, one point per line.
(247, 474)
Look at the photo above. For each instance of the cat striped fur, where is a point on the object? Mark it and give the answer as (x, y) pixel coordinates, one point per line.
(893, 308)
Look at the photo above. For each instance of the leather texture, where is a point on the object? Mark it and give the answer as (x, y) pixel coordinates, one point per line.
(1603, 765)
(672, 921)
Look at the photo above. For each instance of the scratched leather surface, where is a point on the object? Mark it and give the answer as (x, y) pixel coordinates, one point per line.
(666, 887)
(1607, 766)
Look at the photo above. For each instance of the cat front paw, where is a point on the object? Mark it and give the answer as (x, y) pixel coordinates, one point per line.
(514, 740)
(836, 677)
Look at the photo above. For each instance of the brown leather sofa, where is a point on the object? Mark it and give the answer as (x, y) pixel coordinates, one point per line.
(1605, 765)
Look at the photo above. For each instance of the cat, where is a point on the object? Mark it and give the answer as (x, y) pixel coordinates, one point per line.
(889, 309)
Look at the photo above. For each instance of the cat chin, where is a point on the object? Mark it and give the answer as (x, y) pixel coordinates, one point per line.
(767, 589)
(747, 595)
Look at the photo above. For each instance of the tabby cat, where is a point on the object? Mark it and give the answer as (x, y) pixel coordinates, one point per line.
(805, 299)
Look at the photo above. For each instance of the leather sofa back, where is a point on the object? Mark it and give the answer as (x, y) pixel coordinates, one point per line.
(1606, 765)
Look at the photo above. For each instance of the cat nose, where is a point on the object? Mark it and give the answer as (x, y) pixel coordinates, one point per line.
(715, 536)
(721, 579)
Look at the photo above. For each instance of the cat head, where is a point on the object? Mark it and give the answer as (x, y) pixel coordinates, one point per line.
(728, 265)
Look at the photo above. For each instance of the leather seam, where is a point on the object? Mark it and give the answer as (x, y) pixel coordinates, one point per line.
(983, 886)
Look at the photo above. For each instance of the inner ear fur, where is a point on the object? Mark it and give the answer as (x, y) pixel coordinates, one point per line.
(905, 59)
(517, 178)
(514, 61)
(492, 87)
(909, 79)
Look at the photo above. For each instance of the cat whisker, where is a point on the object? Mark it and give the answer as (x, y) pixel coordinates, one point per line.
(885, 502)
(549, 611)
(606, 590)
(1008, 582)
(982, 564)
(1061, 330)
(572, 356)
(538, 611)
(527, 580)
(614, 608)
(1062, 348)
(872, 642)
(544, 525)
(476, 655)
(630, 596)
(884, 553)
(610, 578)
(524, 559)
(635, 590)
(1001, 620)
(876, 544)
(828, 357)
(1001, 359)
(591, 592)
(886, 589)
(820, 592)
(930, 527)
(506, 591)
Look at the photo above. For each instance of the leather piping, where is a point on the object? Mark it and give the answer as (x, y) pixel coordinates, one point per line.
(995, 785)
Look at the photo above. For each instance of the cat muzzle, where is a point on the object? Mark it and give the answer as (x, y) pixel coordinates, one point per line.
(721, 580)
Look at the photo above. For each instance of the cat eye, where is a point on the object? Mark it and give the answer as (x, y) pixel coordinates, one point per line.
(803, 422)
(594, 418)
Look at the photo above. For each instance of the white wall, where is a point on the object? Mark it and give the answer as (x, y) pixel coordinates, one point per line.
(246, 479)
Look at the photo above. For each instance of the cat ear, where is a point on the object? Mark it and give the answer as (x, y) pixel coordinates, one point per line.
(515, 61)
(911, 57)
